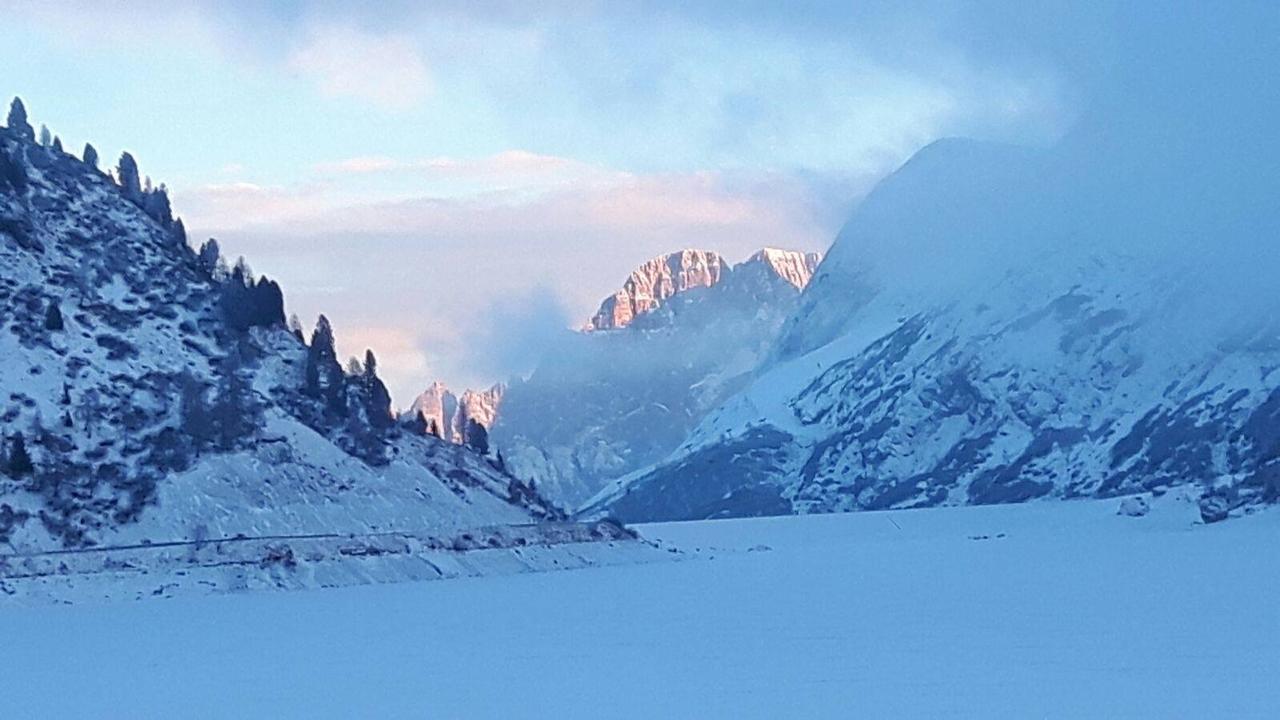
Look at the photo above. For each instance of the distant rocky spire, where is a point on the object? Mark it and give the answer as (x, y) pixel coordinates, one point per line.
(656, 281)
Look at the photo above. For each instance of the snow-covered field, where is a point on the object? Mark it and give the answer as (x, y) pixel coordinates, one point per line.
(1042, 610)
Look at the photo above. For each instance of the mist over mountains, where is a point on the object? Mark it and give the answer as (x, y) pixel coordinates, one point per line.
(683, 332)
(1000, 323)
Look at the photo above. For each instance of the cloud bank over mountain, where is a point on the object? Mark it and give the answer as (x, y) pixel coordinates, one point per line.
(604, 133)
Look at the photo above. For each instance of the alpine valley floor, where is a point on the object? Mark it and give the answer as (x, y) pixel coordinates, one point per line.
(1041, 610)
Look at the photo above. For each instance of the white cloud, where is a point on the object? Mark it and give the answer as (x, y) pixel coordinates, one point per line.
(240, 204)
(386, 70)
(359, 166)
(418, 280)
(506, 170)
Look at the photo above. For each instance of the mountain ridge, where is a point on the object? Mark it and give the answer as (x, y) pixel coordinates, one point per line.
(657, 280)
(1000, 324)
(154, 393)
(622, 393)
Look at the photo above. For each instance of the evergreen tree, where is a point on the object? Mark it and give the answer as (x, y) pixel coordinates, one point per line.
(234, 408)
(377, 400)
(207, 258)
(417, 424)
(179, 233)
(295, 327)
(476, 437)
(353, 367)
(242, 272)
(90, 156)
(53, 317)
(155, 203)
(20, 464)
(17, 121)
(197, 423)
(323, 374)
(322, 339)
(45, 138)
(237, 306)
(130, 182)
(268, 303)
(57, 144)
(311, 376)
(12, 173)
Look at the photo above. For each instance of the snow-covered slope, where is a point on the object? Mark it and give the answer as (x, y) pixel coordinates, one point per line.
(609, 401)
(1039, 610)
(997, 324)
(152, 396)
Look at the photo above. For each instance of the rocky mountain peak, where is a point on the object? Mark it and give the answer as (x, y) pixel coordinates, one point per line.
(655, 281)
(450, 413)
(437, 404)
(480, 405)
(794, 266)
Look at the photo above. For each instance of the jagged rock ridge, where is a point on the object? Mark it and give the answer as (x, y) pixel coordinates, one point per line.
(655, 281)
(604, 403)
(447, 416)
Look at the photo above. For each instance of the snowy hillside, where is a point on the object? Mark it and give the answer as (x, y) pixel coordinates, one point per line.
(153, 395)
(997, 324)
(1037, 610)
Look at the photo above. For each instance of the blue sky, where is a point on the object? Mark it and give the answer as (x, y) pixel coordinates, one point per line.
(426, 173)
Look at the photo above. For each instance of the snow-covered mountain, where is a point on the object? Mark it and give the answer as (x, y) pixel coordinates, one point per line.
(151, 394)
(997, 324)
(683, 332)
(613, 400)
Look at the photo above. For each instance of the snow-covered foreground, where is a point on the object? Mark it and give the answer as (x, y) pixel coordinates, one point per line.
(1046, 610)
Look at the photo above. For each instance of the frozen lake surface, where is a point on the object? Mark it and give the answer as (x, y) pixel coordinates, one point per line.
(1044, 610)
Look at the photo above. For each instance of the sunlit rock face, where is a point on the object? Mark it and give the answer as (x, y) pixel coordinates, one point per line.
(446, 415)
(652, 283)
(437, 406)
(795, 267)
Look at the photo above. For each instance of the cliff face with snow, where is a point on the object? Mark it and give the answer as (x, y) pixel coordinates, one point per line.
(796, 268)
(654, 282)
(625, 394)
(146, 399)
(998, 325)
